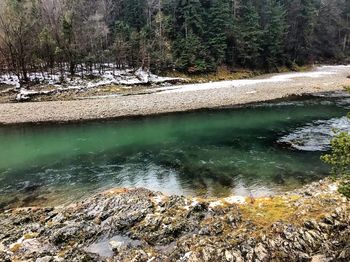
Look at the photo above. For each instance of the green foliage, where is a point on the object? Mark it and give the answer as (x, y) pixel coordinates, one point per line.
(248, 36)
(191, 55)
(219, 22)
(344, 188)
(196, 36)
(274, 35)
(339, 159)
(135, 13)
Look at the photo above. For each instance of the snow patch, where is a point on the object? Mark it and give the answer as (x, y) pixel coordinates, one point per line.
(333, 188)
(216, 204)
(110, 76)
(280, 78)
(235, 200)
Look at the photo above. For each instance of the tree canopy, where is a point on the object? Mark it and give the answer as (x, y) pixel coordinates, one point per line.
(192, 36)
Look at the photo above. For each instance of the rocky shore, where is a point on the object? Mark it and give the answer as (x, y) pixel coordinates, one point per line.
(310, 224)
(181, 98)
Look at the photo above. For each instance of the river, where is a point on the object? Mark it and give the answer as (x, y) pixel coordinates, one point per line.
(260, 149)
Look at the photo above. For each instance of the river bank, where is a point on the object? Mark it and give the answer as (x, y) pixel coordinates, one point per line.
(179, 98)
(309, 224)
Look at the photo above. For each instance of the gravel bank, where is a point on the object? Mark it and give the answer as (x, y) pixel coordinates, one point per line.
(180, 98)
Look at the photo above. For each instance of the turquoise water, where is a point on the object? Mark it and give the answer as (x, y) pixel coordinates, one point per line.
(213, 153)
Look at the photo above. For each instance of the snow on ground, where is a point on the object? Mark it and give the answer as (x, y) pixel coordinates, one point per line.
(129, 77)
(286, 77)
(110, 76)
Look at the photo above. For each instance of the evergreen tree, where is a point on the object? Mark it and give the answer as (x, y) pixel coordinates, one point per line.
(194, 36)
(248, 36)
(274, 35)
(192, 57)
(218, 26)
(327, 22)
(135, 13)
(301, 21)
(189, 47)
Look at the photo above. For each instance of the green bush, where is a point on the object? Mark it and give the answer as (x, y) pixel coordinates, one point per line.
(339, 159)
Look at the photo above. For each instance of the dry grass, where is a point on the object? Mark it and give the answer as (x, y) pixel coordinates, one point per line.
(223, 73)
(266, 211)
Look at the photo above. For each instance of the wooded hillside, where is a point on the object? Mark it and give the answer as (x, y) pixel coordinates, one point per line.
(193, 36)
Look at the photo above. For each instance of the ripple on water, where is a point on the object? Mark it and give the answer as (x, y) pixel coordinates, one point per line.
(316, 136)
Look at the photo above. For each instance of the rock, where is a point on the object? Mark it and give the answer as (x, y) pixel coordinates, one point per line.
(59, 218)
(116, 246)
(45, 259)
(303, 257)
(229, 257)
(233, 256)
(329, 220)
(140, 256)
(345, 254)
(183, 229)
(261, 253)
(238, 256)
(311, 224)
(320, 258)
(65, 234)
(308, 238)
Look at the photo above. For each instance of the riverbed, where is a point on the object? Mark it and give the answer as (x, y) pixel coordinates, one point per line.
(179, 98)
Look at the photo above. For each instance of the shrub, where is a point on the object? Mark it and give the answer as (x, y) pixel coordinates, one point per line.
(339, 159)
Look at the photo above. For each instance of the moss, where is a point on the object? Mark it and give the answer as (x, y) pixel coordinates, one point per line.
(31, 235)
(263, 213)
(266, 211)
(347, 87)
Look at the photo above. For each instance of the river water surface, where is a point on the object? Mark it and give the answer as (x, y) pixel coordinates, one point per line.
(254, 150)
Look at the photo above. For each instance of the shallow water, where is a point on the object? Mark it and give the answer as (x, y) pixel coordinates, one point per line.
(213, 153)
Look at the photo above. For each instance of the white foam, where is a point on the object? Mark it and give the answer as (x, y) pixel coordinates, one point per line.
(316, 136)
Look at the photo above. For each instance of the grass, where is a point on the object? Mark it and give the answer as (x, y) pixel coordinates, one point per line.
(264, 212)
(224, 73)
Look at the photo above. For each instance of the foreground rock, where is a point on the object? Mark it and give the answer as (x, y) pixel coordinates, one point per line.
(311, 224)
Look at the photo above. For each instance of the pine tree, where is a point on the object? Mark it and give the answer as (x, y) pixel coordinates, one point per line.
(218, 25)
(192, 57)
(274, 35)
(135, 13)
(326, 42)
(188, 47)
(301, 20)
(248, 36)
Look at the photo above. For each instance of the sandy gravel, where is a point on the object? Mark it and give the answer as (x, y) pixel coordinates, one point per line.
(180, 98)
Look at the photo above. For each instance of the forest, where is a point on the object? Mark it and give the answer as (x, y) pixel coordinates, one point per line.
(190, 36)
